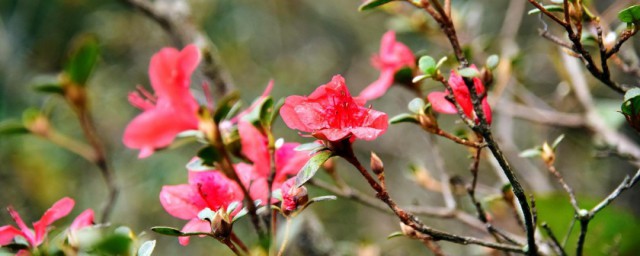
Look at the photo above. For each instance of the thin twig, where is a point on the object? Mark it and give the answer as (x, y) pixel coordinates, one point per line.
(624, 185)
(555, 244)
(565, 186)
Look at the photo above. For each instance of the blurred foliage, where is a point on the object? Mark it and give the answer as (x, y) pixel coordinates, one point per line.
(300, 44)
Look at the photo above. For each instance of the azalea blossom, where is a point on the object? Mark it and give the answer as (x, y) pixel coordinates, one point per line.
(461, 95)
(293, 196)
(36, 236)
(172, 109)
(206, 189)
(255, 147)
(330, 113)
(393, 57)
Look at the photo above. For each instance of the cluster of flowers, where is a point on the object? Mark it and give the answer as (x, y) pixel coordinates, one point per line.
(330, 114)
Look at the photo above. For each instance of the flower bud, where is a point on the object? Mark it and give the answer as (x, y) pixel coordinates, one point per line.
(547, 154)
(408, 231)
(292, 196)
(376, 164)
(221, 224)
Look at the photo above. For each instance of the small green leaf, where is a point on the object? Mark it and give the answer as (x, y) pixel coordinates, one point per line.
(427, 65)
(82, 59)
(49, 88)
(631, 105)
(206, 214)
(147, 248)
(308, 146)
(209, 155)
(224, 107)
(416, 105)
(551, 8)
(395, 234)
(630, 14)
(311, 167)
(419, 78)
(116, 244)
(493, 61)
(323, 198)
(12, 127)
(557, 141)
(532, 152)
(232, 207)
(240, 214)
(372, 4)
(197, 165)
(276, 110)
(168, 231)
(469, 72)
(632, 93)
(260, 114)
(441, 61)
(404, 118)
(266, 112)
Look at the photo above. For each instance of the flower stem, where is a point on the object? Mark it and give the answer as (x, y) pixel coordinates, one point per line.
(283, 246)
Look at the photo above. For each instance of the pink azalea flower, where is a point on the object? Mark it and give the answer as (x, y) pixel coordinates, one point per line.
(292, 196)
(255, 148)
(393, 57)
(36, 236)
(172, 110)
(330, 113)
(206, 189)
(462, 96)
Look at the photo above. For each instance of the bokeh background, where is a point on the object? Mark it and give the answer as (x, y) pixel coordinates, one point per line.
(301, 44)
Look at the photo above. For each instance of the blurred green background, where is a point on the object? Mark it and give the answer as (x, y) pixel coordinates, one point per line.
(300, 44)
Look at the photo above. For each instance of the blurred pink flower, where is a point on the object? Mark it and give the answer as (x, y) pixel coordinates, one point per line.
(393, 57)
(462, 96)
(330, 113)
(206, 189)
(172, 110)
(292, 196)
(35, 237)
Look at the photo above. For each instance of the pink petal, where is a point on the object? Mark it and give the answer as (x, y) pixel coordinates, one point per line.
(215, 189)
(26, 232)
(181, 201)
(332, 134)
(289, 161)
(289, 114)
(59, 209)
(193, 226)
(387, 44)
(156, 129)
(255, 183)
(379, 87)
(440, 104)
(7, 233)
(487, 110)
(23, 253)
(254, 147)
(85, 219)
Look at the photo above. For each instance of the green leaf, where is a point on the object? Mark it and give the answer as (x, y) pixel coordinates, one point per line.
(266, 112)
(206, 214)
(260, 114)
(630, 14)
(30, 115)
(323, 198)
(557, 141)
(493, 61)
(82, 59)
(147, 248)
(311, 167)
(395, 234)
(308, 146)
(441, 61)
(209, 155)
(532, 152)
(12, 127)
(198, 165)
(469, 72)
(372, 4)
(631, 105)
(419, 78)
(404, 118)
(49, 88)
(116, 244)
(224, 107)
(276, 110)
(427, 65)
(416, 105)
(551, 8)
(168, 231)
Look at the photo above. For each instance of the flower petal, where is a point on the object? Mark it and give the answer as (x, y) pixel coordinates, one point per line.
(84, 219)
(194, 225)
(440, 104)
(254, 147)
(181, 201)
(379, 87)
(7, 233)
(58, 210)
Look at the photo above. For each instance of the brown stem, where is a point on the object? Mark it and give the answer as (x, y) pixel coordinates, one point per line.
(566, 187)
(555, 244)
(228, 243)
(457, 139)
(239, 242)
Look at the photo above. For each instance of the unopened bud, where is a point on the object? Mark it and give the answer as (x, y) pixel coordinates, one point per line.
(376, 164)
(547, 154)
(486, 76)
(221, 224)
(292, 196)
(407, 230)
(76, 95)
(428, 122)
